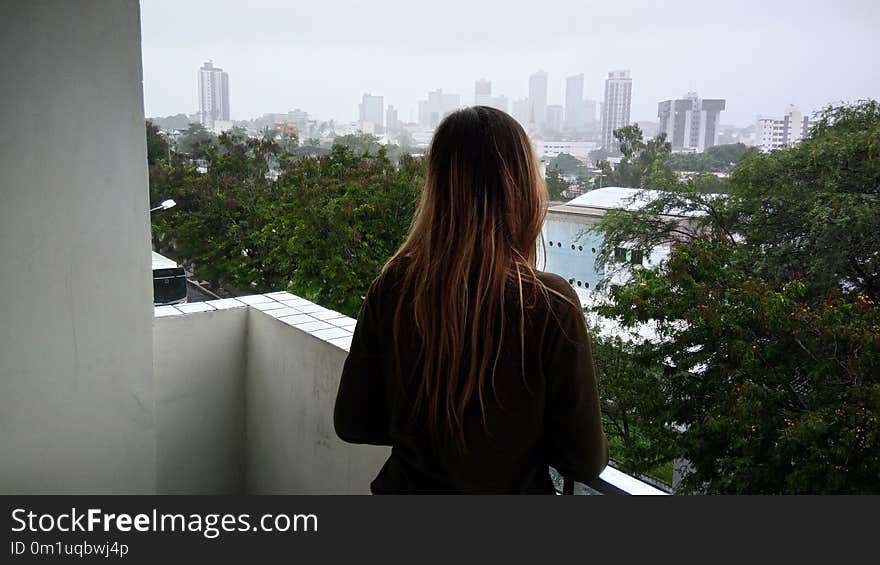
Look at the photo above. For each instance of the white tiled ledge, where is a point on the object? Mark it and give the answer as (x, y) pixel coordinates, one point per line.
(306, 316)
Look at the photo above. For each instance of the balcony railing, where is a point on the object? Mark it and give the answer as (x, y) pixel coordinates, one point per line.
(245, 390)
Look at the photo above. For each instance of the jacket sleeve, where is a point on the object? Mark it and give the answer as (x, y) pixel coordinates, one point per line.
(361, 413)
(578, 447)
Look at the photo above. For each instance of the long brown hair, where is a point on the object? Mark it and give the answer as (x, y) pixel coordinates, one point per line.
(473, 237)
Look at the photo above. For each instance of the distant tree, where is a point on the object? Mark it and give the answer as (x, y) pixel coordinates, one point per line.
(194, 138)
(323, 229)
(157, 144)
(718, 159)
(556, 184)
(359, 143)
(568, 165)
(643, 165)
(767, 314)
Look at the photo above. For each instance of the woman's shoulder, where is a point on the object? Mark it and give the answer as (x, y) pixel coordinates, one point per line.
(558, 286)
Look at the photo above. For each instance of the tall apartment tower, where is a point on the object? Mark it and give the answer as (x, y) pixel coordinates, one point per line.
(483, 93)
(371, 110)
(615, 111)
(438, 105)
(690, 122)
(392, 124)
(538, 97)
(213, 95)
(554, 118)
(775, 133)
(483, 96)
(574, 102)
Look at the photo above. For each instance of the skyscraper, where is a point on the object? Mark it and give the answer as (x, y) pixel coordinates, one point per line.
(371, 110)
(522, 111)
(483, 96)
(436, 107)
(391, 122)
(554, 118)
(483, 93)
(538, 97)
(574, 107)
(690, 122)
(213, 95)
(615, 111)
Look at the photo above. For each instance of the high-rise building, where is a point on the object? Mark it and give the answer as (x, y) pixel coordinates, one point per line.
(392, 124)
(574, 103)
(436, 107)
(690, 122)
(483, 93)
(538, 97)
(615, 111)
(213, 95)
(522, 111)
(371, 110)
(589, 113)
(554, 118)
(483, 96)
(775, 133)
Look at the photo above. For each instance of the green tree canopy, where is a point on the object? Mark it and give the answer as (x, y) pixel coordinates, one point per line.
(767, 318)
(643, 165)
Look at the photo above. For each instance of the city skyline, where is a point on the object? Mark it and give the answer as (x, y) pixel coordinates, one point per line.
(339, 52)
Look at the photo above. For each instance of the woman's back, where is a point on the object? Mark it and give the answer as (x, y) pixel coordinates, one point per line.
(541, 410)
(474, 366)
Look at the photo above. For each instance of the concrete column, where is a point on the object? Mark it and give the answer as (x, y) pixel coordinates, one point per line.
(76, 390)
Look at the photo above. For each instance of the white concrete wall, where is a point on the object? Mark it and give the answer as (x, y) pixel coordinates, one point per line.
(199, 368)
(76, 392)
(291, 445)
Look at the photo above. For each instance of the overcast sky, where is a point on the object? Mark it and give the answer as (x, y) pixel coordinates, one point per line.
(321, 56)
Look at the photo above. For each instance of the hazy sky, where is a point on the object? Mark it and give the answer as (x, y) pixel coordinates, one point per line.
(321, 56)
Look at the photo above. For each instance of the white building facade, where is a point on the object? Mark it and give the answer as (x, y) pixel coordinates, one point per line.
(776, 133)
(616, 108)
(213, 95)
(691, 123)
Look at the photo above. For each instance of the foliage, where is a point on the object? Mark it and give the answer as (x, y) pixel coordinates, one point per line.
(767, 318)
(323, 229)
(644, 164)
(716, 159)
(157, 144)
(194, 138)
(568, 165)
(556, 184)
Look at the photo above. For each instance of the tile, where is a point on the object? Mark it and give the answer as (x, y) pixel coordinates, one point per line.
(194, 307)
(309, 309)
(297, 319)
(313, 326)
(255, 299)
(327, 315)
(160, 311)
(263, 306)
(295, 302)
(280, 295)
(331, 333)
(343, 342)
(281, 312)
(345, 322)
(224, 303)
